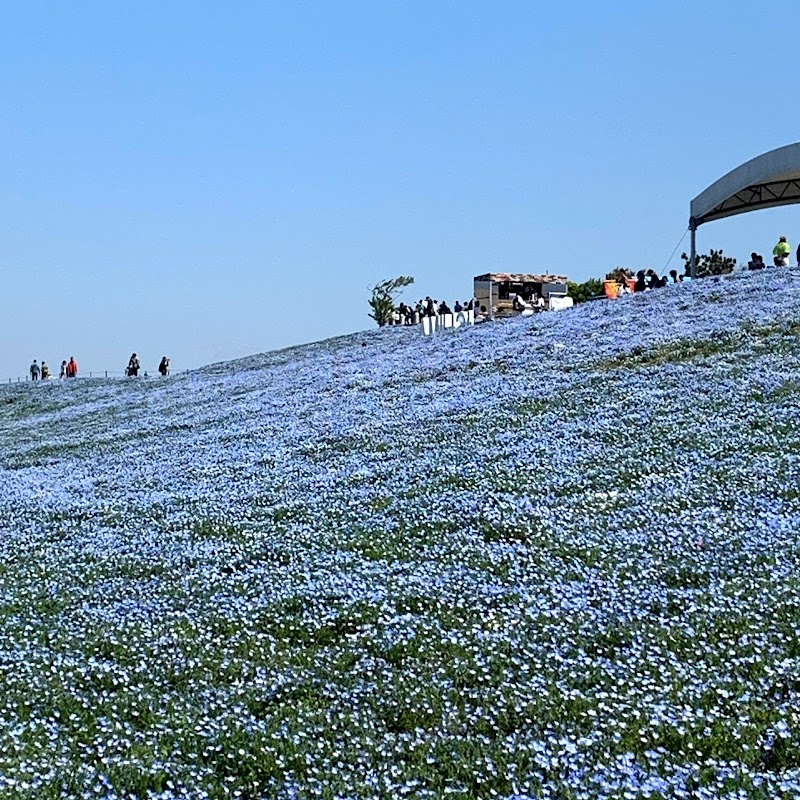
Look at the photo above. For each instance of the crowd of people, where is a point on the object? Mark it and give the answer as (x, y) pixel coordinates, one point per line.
(413, 315)
(780, 256)
(41, 372)
(649, 279)
(534, 303)
(69, 369)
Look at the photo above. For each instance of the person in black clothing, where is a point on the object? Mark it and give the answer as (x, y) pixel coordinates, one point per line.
(430, 309)
(444, 308)
(640, 284)
(652, 280)
(163, 367)
(133, 366)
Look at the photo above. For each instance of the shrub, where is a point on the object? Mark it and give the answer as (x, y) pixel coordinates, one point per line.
(581, 292)
(711, 263)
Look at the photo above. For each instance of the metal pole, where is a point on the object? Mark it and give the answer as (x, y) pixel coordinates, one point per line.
(491, 305)
(693, 247)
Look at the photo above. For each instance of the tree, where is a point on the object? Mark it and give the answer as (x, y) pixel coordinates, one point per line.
(581, 292)
(383, 295)
(619, 274)
(711, 263)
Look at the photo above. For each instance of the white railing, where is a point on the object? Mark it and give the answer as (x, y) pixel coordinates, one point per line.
(440, 322)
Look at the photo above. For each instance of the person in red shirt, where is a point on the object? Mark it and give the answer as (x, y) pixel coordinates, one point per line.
(72, 368)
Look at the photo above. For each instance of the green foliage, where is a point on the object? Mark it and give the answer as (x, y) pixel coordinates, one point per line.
(711, 263)
(581, 292)
(383, 296)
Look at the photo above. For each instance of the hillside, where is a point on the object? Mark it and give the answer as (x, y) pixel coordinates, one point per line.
(551, 557)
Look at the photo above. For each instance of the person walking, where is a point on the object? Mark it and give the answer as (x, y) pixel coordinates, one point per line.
(133, 366)
(781, 252)
(34, 371)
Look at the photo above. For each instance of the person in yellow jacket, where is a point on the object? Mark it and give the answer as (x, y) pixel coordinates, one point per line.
(781, 252)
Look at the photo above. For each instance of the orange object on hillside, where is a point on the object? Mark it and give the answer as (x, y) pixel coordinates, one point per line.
(611, 287)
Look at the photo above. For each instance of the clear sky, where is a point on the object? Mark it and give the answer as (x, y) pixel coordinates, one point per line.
(210, 180)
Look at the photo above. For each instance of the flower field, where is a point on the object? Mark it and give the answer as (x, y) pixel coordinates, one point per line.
(553, 557)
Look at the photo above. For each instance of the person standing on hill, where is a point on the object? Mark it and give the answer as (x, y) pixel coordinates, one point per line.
(45, 371)
(781, 252)
(72, 368)
(34, 371)
(133, 366)
(163, 367)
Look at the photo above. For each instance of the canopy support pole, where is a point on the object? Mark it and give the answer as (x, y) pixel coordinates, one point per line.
(693, 248)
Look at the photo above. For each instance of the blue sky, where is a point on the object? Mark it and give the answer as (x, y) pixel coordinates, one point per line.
(213, 180)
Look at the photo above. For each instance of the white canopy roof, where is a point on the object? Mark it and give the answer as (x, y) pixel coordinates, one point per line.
(771, 179)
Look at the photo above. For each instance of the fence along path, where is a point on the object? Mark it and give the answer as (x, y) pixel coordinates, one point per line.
(103, 373)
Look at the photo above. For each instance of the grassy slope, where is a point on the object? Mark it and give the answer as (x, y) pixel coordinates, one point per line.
(552, 557)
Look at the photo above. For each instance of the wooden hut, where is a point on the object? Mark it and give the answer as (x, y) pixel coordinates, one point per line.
(497, 290)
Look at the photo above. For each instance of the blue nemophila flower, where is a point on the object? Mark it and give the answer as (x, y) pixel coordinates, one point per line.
(550, 557)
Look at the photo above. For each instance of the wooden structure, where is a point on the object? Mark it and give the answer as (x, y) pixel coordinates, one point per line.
(497, 290)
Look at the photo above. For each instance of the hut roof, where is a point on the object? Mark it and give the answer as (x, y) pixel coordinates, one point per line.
(519, 277)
